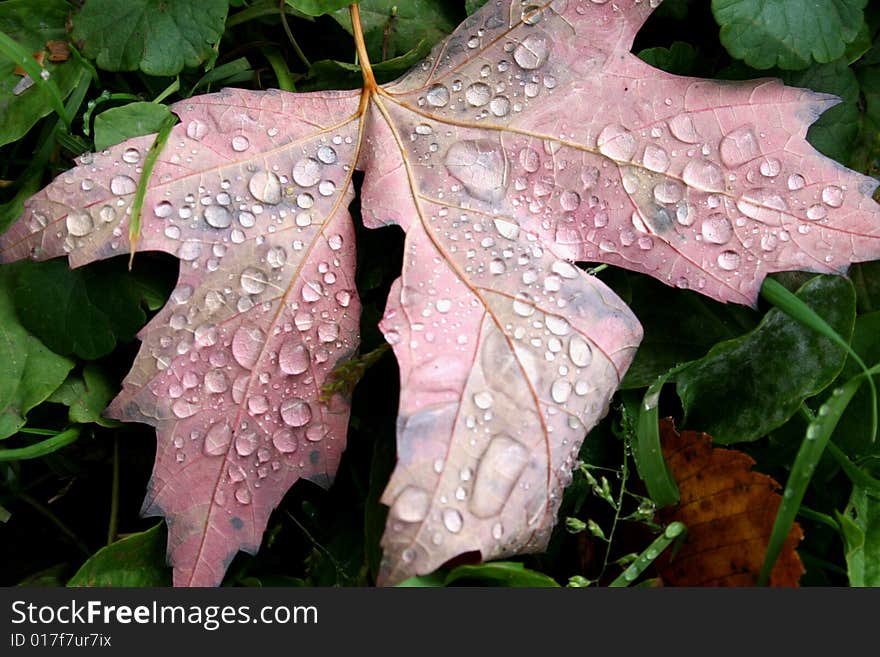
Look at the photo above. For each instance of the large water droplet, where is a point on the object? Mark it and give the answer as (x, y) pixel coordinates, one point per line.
(217, 439)
(500, 106)
(411, 505)
(265, 186)
(557, 325)
(328, 331)
(703, 175)
(739, 146)
(163, 209)
(728, 260)
(79, 224)
(617, 142)
(560, 391)
(284, 441)
(579, 351)
(655, 158)
(532, 52)
(246, 443)
(276, 257)
(481, 166)
(121, 185)
(682, 128)
(196, 129)
(478, 94)
(717, 229)
(295, 412)
(243, 494)
(668, 192)
(507, 229)
(240, 143)
(253, 280)
(217, 216)
(832, 196)
(438, 95)
(215, 381)
(501, 465)
(246, 345)
(131, 156)
(326, 154)
(483, 400)
(293, 358)
(452, 520)
(307, 172)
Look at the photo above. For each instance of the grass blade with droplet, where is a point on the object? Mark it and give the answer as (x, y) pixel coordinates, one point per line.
(673, 532)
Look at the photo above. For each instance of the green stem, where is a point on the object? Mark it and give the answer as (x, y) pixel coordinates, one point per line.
(113, 525)
(289, 33)
(282, 73)
(41, 448)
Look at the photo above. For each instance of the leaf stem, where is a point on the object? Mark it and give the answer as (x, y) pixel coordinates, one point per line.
(289, 33)
(113, 524)
(370, 85)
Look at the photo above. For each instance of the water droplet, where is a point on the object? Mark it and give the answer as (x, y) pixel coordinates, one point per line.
(717, 229)
(816, 212)
(79, 224)
(579, 351)
(253, 280)
(655, 159)
(189, 250)
(276, 257)
(307, 172)
(728, 260)
(560, 391)
(215, 381)
(247, 342)
(196, 129)
(497, 531)
(258, 404)
(569, 201)
(770, 167)
(312, 291)
(443, 305)
(832, 196)
(438, 95)
(532, 52)
(240, 143)
(483, 400)
(243, 494)
(411, 505)
(121, 185)
(557, 325)
(668, 192)
(500, 106)
(328, 331)
(217, 216)
(452, 520)
(217, 439)
(131, 156)
(682, 128)
(523, 305)
(739, 146)
(326, 154)
(507, 229)
(163, 209)
(316, 432)
(295, 412)
(478, 94)
(293, 358)
(565, 269)
(246, 443)
(796, 181)
(265, 186)
(481, 166)
(703, 175)
(284, 441)
(500, 467)
(617, 142)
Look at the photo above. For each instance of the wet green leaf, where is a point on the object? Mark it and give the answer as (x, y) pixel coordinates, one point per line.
(87, 395)
(159, 37)
(317, 7)
(29, 371)
(136, 560)
(133, 120)
(860, 524)
(745, 387)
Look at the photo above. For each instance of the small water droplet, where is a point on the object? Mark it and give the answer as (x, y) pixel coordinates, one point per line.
(247, 343)
(411, 505)
(295, 412)
(437, 95)
(326, 154)
(121, 185)
(532, 52)
(452, 520)
(253, 280)
(79, 224)
(246, 443)
(832, 196)
(728, 260)
(217, 439)
(284, 441)
(717, 229)
(131, 156)
(240, 143)
(616, 142)
(217, 216)
(307, 172)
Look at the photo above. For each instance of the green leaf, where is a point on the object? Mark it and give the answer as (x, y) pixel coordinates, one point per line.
(82, 311)
(29, 371)
(31, 23)
(501, 573)
(86, 395)
(680, 326)
(860, 524)
(789, 34)
(833, 134)
(133, 120)
(744, 388)
(331, 74)
(680, 58)
(670, 535)
(317, 7)
(137, 560)
(393, 28)
(159, 37)
(470, 6)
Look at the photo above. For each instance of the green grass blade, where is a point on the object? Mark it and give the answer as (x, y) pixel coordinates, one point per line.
(816, 439)
(668, 537)
(18, 54)
(791, 305)
(41, 448)
(856, 475)
(650, 463)
(137, 205)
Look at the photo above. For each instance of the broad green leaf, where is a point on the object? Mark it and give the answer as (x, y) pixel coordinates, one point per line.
(159, 37)
(500, 573)
(834, 132)
(82, 311)
(748, 386)
(332, 74)
(393, 28)
(31, 23)
(788, 34)
(132, 120)
(86, 395)
(29, 371)
(680, 58)
(680, 326)
(136, 560)
(860, 524)
(318, 7)
(470, 6)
